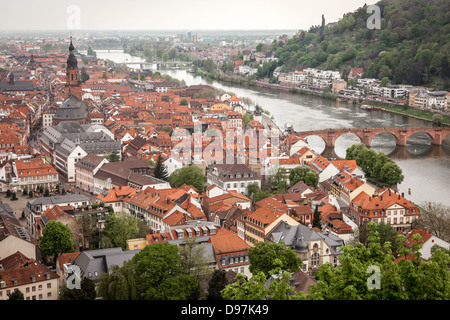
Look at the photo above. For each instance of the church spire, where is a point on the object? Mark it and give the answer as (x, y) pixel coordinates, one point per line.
(72, 75)
(71, 47)
(72, 62)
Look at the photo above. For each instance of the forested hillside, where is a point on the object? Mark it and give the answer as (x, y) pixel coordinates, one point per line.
(411, 47)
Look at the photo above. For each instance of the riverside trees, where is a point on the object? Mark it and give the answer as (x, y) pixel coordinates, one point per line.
(376, 165)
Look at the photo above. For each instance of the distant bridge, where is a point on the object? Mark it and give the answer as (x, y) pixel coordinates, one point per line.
(401, 134)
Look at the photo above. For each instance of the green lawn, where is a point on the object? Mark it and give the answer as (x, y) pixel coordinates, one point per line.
(424, 114)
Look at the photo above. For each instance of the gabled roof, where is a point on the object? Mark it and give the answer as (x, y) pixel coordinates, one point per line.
(227, 242)
(409, 239)
(18, 270)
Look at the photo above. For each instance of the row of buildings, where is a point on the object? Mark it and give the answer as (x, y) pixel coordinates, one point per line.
(107, 145)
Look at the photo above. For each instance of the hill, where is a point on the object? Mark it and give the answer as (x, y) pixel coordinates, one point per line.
(411, 47)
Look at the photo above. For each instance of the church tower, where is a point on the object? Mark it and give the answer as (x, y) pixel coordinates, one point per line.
(72, 75)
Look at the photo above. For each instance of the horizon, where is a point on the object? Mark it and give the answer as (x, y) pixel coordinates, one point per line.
(140, 15)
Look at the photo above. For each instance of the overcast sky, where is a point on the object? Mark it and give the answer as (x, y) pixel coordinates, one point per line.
(171, 14)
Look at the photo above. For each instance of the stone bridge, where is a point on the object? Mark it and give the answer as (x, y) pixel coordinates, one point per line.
(401, 134)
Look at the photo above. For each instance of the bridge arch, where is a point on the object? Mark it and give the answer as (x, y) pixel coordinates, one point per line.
(317, 142)
(429, 135)
(383, 136)
(345, 138)
(446, 136)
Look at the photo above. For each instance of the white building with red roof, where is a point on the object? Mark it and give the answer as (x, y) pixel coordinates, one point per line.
(428, 241)
(32, 278)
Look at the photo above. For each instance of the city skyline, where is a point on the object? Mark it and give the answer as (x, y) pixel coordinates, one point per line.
(84, 15)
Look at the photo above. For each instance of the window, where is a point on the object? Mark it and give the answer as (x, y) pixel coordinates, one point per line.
(315, 260)
(49, 285)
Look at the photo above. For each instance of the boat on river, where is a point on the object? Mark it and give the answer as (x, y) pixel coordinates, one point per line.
(367, 107)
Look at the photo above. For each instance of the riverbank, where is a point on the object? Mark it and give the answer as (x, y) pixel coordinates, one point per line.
(415, 113)
(408, 111)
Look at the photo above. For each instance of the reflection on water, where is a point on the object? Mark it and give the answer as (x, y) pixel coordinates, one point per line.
(426, 168)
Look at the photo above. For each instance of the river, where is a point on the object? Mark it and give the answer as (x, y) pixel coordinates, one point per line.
(426, 168)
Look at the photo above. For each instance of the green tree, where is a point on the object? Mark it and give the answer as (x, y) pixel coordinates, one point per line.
(386, 234)
(91, 52)
(16, 295)
(391, 173)
(195, 263)
(278, 181)
(437, 120)
(160, 171)
(407, 279)
(316, 219)
(112, 156)
(305, 174)
(216, 284)
(86, 292)
(246, 118)
(375, 165)
(56, 239)
(119, 227)
(257, 287)
(159, 274)
(255, 193)
(190, 175)
(172, 53)
(84, 76)
(263, 255)
(119, 283)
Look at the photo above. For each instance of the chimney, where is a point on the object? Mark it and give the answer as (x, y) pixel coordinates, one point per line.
(403, 194)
